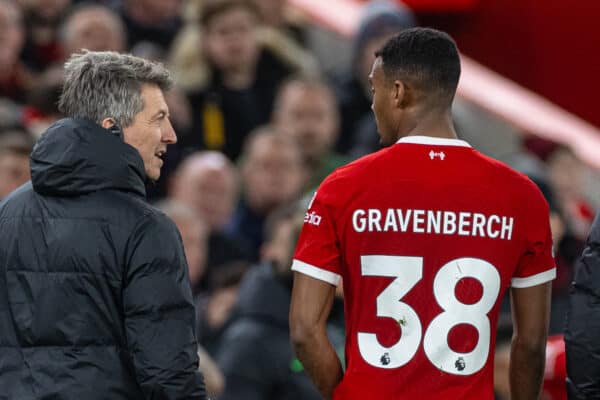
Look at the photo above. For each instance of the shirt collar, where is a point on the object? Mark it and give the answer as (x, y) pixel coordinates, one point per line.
(433, 141)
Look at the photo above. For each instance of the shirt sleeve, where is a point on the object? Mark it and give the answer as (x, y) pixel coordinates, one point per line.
(318, 251)
(536, 265)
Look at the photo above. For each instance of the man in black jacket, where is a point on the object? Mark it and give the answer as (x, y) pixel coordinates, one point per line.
(95, 301)
(582, 335)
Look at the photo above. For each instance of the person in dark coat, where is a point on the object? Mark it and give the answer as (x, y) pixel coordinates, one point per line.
(582, 335)
(95, 299)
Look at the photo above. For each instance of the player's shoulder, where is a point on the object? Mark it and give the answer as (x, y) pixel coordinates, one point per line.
(342, 184)
(357, 169)
(504, 174)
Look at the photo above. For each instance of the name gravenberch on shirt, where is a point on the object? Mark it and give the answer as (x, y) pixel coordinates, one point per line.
(438, 222)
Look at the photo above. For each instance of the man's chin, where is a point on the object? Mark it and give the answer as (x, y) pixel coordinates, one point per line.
(152, 177)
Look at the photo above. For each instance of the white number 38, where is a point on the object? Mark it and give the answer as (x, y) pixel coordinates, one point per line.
(408, 272)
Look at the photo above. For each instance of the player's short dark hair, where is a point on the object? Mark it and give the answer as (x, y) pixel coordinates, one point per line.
(426, 58)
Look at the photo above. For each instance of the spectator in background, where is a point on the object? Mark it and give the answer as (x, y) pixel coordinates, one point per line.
(43, 19)
(96, 279)
(15, 148)
(274, 13)
(42, 101)
(567, 174)
(566, 250)
(214, 310)
(14, 76)
(207, 182)
(155, 21)
(242, 78)
(255, 353)
(283, 36)
(273, 174)
(306, 110)
(92, 27)
(380, 19)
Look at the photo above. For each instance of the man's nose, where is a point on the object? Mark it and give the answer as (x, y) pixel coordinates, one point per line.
(169, 135)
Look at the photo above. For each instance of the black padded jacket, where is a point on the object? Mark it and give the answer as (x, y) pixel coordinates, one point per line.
(582, 335)
(95, 301)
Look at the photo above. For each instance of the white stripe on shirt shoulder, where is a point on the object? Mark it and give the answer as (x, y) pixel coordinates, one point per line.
(316, 272)
(534, 280)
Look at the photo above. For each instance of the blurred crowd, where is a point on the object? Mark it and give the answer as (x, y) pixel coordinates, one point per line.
(260, 122)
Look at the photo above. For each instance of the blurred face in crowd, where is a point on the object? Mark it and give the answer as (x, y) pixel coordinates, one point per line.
(207, 183)
(194, 235)
(95, 29)
(230, 41)
(151, 130)
(273, 173)
(308, 113)
(12, 34)
(14, 171)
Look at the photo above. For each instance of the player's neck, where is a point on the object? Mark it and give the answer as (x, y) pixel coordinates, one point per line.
(434, 125)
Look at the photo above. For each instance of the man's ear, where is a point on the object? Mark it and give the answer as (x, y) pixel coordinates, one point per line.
(399, 93)
(107, 123)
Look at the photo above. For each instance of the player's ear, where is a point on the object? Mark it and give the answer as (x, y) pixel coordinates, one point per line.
(399, 94)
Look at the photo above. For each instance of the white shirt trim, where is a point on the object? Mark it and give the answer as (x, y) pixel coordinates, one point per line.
(534, 280)
(316, 272)
(433, 141)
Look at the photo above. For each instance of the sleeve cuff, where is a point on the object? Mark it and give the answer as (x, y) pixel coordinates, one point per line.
(316, 272)
(534, 280)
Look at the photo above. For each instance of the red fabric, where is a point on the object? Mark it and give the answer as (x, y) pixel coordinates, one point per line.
(421, 299)
(555, 374)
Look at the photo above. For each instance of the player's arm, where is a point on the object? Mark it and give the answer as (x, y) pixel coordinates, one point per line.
(309, 310)
(530, 312)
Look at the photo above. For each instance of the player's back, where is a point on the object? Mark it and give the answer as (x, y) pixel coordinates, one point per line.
(430, 234)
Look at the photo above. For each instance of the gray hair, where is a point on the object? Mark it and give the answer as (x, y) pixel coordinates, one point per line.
(106, 84)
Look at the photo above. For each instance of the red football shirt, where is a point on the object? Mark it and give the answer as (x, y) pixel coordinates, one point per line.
(427, 235)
